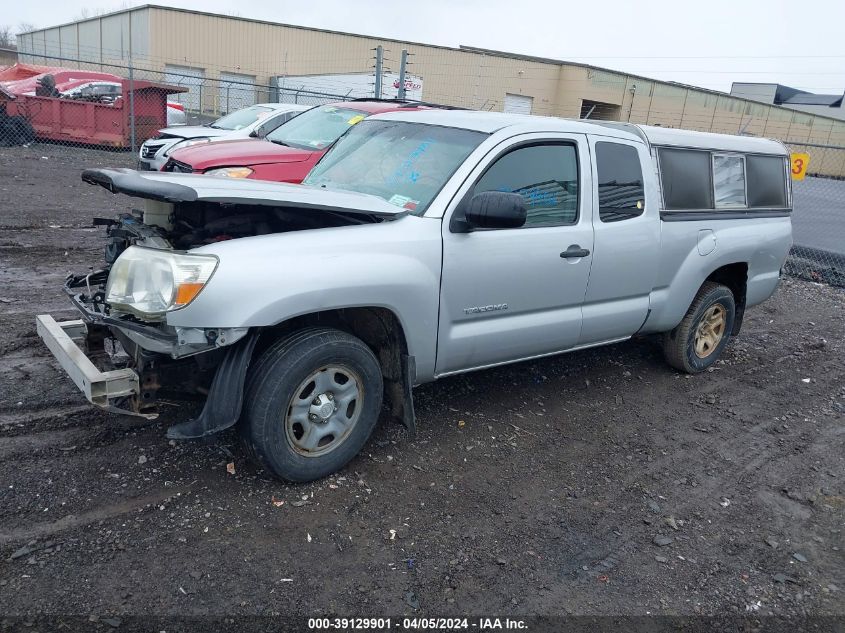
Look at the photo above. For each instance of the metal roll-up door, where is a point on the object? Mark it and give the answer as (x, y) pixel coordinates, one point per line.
(518, 104)
(187, 77)
(236, 91)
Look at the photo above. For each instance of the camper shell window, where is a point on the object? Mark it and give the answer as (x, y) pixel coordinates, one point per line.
(729, 181)
(686, 178)
(766, 177)
(704, 180)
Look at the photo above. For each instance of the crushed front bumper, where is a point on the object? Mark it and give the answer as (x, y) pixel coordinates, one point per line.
(101, 388)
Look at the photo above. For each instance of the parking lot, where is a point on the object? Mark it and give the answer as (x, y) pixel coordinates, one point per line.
(600, 482)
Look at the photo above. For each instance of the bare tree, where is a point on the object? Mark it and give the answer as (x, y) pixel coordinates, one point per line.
(84, 14)
(8, 34)
(94, 12)
(7, 37)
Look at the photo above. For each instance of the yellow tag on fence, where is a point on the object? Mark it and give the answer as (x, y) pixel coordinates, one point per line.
(798, 165)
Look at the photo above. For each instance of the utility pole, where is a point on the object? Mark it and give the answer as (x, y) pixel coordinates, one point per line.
(379, 63)
(132, 105)
(402, 65)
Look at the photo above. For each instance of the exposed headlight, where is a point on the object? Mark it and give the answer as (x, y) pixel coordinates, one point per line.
(230, 172)
(149, 282)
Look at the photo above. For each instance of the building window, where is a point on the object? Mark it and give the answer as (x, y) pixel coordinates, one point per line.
(729, 180)
(686, 179)
(620, 182)
(545, 175)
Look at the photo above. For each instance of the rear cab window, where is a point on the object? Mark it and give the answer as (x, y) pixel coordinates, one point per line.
(620, 182)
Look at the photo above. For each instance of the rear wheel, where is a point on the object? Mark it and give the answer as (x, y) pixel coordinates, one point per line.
(312, 401)
(699, 339)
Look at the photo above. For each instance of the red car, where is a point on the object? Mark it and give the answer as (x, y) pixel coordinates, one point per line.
(289, 152)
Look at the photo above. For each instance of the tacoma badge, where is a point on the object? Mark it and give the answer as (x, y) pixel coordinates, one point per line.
(490, 308)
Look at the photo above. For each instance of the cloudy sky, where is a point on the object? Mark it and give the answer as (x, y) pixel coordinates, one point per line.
(708, 43)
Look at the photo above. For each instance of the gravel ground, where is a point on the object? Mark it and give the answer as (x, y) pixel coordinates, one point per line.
(600, 482)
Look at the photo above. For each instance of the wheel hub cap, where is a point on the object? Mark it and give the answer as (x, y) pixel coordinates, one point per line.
(710, 330)
(323, 410)
(323, 407)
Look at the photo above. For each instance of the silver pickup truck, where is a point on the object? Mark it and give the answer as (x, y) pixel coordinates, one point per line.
(423, 244)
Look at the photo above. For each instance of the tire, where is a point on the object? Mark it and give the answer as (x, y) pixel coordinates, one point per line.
(312, 401)
(24, 131)
(693, 346)
(15, 130)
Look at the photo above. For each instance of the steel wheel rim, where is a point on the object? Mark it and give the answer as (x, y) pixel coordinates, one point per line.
(323, 410)
(710, 330)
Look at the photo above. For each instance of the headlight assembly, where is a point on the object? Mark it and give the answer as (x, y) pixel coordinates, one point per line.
(149, 282)
(230, 172)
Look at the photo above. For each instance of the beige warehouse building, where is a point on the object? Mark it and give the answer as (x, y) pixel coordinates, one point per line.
(216, 54)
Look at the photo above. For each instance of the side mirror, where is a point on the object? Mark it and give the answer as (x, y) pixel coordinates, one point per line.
(496, 210)
(258, 133)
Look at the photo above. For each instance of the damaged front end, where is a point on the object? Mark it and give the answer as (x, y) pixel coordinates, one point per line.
(123, 353)
(121, 362)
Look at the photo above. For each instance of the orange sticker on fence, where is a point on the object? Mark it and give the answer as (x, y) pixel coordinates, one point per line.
(798, 165)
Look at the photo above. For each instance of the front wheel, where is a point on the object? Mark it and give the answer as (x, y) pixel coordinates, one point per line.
(312, 401)
(697, 342)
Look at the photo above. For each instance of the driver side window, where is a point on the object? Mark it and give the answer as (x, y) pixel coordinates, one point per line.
(545, 175)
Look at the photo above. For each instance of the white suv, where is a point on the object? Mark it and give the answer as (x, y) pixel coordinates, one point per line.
(255, 121)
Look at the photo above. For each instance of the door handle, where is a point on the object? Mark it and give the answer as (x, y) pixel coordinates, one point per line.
(574, 251)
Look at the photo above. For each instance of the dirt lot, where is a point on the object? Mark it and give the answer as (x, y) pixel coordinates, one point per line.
(601, 482)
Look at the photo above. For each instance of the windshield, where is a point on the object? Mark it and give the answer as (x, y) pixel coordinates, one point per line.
(317, 128)
(242, 118)
(404, 163)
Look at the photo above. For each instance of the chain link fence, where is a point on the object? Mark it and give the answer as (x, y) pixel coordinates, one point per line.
(205, 98)
(818, 219)
(119, 106)
(75, 102)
